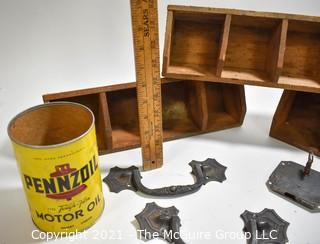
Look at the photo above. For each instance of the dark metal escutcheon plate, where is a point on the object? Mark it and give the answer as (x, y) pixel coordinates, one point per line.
(120, 179)
(211, 170)
(155, 221)
(266, 227)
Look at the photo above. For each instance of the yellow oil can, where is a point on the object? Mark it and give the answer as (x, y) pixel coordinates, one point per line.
(56, 151)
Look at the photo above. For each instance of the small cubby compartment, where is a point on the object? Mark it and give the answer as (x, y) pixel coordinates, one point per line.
(297, 120)
(253, 48)
(123, 111)
(177, 106)
(194, 107)
(195, 43)
(226, 105)
(94, 102)
(302, 60)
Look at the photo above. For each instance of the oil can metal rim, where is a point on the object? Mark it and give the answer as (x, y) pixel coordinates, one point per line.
(46, 105)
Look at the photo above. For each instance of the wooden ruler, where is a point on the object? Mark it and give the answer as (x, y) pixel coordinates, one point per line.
(146, 49)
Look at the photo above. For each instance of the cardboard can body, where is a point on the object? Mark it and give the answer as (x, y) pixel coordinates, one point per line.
(62, 180)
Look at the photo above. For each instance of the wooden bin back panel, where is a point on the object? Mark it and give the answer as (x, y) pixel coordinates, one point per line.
(304, 117)
(177, 118)
(235, 107)
(199, 52)
(302, 57)
(250, 42)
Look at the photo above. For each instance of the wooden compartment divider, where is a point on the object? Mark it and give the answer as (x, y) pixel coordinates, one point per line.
(167, 42)
(188, 108)
(277, 50)
(223, 44)
(104, 125)
(198, 104)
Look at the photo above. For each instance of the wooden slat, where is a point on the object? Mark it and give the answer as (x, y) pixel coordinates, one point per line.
(203, 107)
(282, 111)
(167, 42)
(87, 91)
(195, 9)
(104, 122)
(223, 44)
(198, 104)
(276, 51)
(306, 85)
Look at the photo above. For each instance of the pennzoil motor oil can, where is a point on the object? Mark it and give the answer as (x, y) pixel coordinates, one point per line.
(56, 151)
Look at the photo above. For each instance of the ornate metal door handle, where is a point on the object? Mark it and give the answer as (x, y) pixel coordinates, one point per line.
(164, 223)
(130, 179)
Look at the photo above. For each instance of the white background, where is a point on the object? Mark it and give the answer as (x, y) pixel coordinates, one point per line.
(51, 46)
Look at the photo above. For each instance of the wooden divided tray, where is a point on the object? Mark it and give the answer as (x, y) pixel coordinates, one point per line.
(243, 47)
(188, 108)
(297, 120)
(254, 48)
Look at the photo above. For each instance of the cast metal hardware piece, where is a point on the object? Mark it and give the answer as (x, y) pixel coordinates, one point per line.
(130, 179)
(297, 183)
(164, 223)
(266, 227)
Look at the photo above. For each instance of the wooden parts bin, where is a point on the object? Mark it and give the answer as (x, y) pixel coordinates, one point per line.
(297, 120)
(254, 48)
(188, 108)
(243, 47)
